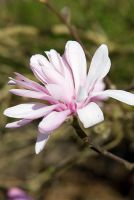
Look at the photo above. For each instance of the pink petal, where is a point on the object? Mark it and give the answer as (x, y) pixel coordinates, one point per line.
(90, 115)
(53, 121)
(123, 96)
(29, 110)
(27, 83)
(55, 60)
(32, 94)
(37, 63)
(76, 59)
(18, 124)
(17, 194)
(60, 92)
(43, 70)
(100, 66)
(41, 142)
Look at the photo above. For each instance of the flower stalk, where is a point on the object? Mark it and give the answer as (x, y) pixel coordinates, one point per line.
(98, 149)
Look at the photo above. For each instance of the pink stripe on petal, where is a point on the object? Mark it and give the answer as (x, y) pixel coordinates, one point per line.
(32, 94)
(27, 83)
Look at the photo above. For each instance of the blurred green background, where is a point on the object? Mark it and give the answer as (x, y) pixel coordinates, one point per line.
(65, 169)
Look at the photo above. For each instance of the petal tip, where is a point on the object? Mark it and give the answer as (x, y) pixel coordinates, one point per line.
(7, 126)
(104, 47)
(37, 149)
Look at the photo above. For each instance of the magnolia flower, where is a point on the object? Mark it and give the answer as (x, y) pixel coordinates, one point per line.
(66, 89)
(17, 194)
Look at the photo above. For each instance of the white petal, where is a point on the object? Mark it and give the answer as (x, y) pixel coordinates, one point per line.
(53, 121)
(99, 86)
(76, 59)
(37, 62)
(44, 70)
(82, 94)
(60, 92)
(100, 66)
(90, 115)
(18, 124)
(123, 96)
(41, 142)
(55, 59)
(29, 110)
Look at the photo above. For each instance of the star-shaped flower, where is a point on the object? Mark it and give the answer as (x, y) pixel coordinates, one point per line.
(66, 88)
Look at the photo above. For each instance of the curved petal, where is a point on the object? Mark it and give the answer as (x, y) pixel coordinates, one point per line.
(100, 66)
(90, 115)
(76, 59)
(60, 92)
(44, 71)
(31, 94)
(36, 63)
(55, 60)
(99, 86)
(18, 124)
(22, 81)
(29, 110)
(123, 96)
(53, 121)
(41, 142)
(82, 94)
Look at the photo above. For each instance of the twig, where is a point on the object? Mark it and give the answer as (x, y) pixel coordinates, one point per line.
(71, 28)
(73, 31)
(98, 149)
(108, 154)
(130, 88)
(79, 131)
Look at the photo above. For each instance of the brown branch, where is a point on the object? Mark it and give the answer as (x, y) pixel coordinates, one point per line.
(130, 88)
(71, 28)
(98, 149)
(74, 33)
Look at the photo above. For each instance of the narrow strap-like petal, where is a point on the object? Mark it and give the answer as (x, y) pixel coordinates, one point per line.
(123, 96)
(82, 94)
(55, 60)
(53, 121)
(41, 142)
(90, 115)
(76, 59)
(29, 110)
(100, 66)
(32, 94)
(60, 92)
(37, 63)
(44, 71)
(18, 124)
(26, 83)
